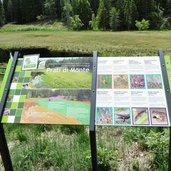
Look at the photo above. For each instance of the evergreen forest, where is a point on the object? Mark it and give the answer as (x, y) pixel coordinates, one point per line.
(116, 15)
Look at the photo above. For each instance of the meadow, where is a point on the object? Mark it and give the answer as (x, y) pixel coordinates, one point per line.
(84, 42)
(53, 147)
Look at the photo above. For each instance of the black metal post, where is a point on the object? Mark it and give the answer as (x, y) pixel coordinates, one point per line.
(6, 159)
(168, 97)
(92, 116)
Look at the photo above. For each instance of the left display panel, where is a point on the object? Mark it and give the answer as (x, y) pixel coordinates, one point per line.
(52, 90)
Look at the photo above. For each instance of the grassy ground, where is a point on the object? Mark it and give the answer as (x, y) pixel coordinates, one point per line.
(74, 80)
(107, 43)
(53, 148)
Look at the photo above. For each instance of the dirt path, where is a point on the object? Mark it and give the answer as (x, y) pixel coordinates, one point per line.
(34, 113)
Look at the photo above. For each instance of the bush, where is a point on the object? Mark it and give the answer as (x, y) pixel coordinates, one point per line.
(106, 159)
(142, 25)
(76, 22)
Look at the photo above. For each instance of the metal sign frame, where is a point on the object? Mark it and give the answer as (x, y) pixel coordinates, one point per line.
(6, 159)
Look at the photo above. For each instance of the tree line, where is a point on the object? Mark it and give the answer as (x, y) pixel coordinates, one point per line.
(90, 14)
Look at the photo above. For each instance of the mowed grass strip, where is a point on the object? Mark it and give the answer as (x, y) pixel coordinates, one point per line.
(107, 43)
(67, 79)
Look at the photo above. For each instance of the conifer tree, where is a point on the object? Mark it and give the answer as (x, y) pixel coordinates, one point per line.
(130, 13)
(2, 17)
(103, 14)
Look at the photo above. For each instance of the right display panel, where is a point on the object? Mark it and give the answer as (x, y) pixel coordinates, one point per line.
(131, 92)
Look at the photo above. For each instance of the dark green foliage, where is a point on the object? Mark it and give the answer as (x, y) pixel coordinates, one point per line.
(67, 12)
(50, 8)
(130, 13)
(2, 17)
(114, 19)
(103, 14)
(158, 12)
(69, 129)
(76, 22)
(83, 9)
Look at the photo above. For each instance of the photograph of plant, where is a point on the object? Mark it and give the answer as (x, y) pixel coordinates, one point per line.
(104, 81)
(159, 116)
(137, 81)
(140, 116)
(104, 116)
(154, 81)
(122, 116)
(120, 81)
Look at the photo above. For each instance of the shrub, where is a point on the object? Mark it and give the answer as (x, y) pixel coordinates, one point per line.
(106, 159)
(76, 22)
(41, 17)
(142, 25)
(71, 129)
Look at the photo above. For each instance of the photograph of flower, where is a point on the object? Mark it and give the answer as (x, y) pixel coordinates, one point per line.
(137, 81)
(104, 116)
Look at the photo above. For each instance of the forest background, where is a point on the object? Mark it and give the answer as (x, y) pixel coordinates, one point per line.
(91, 14)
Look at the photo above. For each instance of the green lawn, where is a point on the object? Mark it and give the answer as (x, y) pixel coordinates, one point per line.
(72, 80)
(108, 43)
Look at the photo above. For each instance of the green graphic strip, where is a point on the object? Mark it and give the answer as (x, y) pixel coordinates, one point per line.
(5, 78)
(77, 110)
(168, 67)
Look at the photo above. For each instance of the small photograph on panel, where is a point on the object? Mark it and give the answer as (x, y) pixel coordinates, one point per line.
(105, 81)
(104, 116)
(154, 81)
(137, 82)
(120, 81)
(140, 116)
(159, 116)
(122, 116)
(6, 111)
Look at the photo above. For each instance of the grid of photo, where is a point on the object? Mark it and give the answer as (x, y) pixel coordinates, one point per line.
(132, 81)
(125, 116)
(131, 92)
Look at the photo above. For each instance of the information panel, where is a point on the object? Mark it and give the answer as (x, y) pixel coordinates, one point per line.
(50, 91)
(131, 92)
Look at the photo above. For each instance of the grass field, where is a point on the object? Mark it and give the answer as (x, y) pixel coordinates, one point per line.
(107, 43)
(72, 80)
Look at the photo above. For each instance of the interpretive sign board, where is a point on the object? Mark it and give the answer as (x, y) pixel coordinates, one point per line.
(131, 92)
(50, 91)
